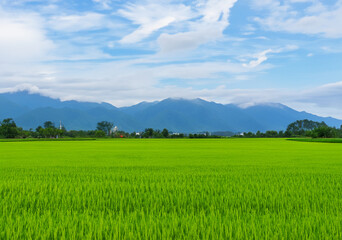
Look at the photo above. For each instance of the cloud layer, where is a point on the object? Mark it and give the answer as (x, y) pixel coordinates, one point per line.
(125, 52)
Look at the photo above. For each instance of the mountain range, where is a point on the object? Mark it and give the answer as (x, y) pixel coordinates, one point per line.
(177, 115)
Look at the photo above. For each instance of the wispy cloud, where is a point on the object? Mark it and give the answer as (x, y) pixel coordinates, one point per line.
(151, 17)
(105, 4)
(76, 23)
(262, 56)
(209, 26)
(192, 25)
(316, 19)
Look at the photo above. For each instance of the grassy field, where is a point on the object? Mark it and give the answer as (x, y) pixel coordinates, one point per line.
(171, 189)
(320, 140)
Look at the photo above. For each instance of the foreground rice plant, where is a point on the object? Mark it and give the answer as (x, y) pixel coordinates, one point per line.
(163, 189)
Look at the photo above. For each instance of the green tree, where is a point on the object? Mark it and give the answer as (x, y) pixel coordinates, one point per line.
(8, 128)
(301, 126)
(157, 134)
(288, 134)
(49, 130)
(105, 126)
(165, 133)
(100, 134)
(49, 124)
(40, 131)
(271, 134)
(148, 133)
(249, 135)
(324, 132)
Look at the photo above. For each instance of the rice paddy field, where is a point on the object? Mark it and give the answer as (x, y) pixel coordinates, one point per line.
(171, 189)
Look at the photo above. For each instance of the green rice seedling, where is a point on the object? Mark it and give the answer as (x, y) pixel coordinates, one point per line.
(170, 189)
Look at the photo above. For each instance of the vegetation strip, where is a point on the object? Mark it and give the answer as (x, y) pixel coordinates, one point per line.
(318, 140)
(46, 139)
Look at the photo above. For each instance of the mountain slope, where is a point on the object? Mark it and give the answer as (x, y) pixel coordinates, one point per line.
(76, 119)
(120, 119)
(34, 101)
(182, 115)
(198, 115)
(32, 110)
(278, 116)
(10, 109)
(71, 118)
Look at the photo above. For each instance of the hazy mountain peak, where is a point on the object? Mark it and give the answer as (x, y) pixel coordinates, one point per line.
(36, 100)
(176, 114)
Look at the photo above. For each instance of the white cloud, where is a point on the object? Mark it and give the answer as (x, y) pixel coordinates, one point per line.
(25, 45)
(196, 71)
(200, 34)
(105, 4)
(262, 56)
(316, 19)
(22, 87)
(191, 26)
(269, 4)
(22, 38)
(323, 100)
(146, 30)
(328, 95)
(121, 82)
(75, 23)
(209, 27)
(151, 17)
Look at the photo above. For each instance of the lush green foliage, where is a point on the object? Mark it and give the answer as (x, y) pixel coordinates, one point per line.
(300, 128)
(48, 131)
(163, 189)
(8, 128)
(105, 126)
(46, 139)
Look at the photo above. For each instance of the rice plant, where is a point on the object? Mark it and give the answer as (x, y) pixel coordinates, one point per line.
(171, 189)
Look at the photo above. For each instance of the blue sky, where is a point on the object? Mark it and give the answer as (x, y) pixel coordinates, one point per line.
(123, 52)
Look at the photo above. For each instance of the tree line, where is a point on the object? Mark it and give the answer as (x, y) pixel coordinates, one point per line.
(9, 129)
(300, 128)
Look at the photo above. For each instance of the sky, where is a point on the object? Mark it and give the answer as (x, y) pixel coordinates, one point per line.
(123, 52)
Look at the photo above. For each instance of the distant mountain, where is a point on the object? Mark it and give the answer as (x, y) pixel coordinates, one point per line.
(177, 115)
(8, 108)
(32, 110)
(34, 101)
(196, 115)
(76, 119)
(278, 116)
(138, 107)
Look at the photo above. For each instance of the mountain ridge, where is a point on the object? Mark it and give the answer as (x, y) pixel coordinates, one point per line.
(176, 114)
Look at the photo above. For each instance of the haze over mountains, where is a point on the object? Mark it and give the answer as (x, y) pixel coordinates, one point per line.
(178, 115)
